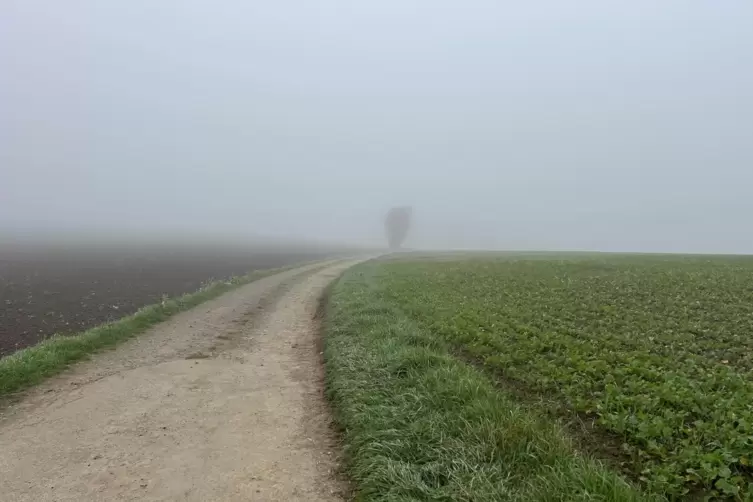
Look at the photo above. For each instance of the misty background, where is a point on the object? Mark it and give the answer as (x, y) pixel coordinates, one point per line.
(622, 126)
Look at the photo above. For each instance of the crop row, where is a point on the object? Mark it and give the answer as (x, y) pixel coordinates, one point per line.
(657, 350)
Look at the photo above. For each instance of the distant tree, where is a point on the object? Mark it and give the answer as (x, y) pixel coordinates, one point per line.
(397, 224)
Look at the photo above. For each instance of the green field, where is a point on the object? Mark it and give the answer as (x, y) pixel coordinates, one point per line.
(633, 370)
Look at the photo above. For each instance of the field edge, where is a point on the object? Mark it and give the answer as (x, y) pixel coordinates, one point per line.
(419, 424)
(33, 365)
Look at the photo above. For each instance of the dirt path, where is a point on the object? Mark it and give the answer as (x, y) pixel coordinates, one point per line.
(220, 403)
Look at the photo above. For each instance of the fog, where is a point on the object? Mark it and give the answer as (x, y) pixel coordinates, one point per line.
(620, 126)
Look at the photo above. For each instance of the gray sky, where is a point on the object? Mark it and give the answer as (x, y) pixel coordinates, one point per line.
(542, 124)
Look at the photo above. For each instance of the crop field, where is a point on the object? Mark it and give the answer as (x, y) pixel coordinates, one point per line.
(46, 290)
(643, 362)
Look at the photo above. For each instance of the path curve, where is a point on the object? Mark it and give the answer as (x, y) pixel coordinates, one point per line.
(220, 403)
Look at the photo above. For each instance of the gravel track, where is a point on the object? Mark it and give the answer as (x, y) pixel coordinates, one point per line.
(223, 402)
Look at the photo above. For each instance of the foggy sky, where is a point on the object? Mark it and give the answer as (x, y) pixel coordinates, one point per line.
(519, 125)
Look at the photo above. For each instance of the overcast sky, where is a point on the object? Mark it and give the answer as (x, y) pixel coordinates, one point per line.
(539, 125)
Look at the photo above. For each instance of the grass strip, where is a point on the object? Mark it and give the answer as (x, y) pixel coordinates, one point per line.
(34, 364)
(419, 424)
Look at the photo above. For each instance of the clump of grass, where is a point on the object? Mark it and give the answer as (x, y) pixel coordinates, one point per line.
(419, 424)
(33, 365)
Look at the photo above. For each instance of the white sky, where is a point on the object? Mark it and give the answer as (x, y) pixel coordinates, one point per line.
(540, 125)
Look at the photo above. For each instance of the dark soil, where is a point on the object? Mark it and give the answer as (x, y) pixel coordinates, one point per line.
(44, 291)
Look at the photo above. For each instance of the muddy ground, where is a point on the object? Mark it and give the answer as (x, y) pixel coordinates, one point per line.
(46, 290)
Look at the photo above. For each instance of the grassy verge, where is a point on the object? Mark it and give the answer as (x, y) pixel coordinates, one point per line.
(32, 365)
(419, 424)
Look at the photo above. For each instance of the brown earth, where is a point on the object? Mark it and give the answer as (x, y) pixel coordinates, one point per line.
(44, 291)
(220, 403)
